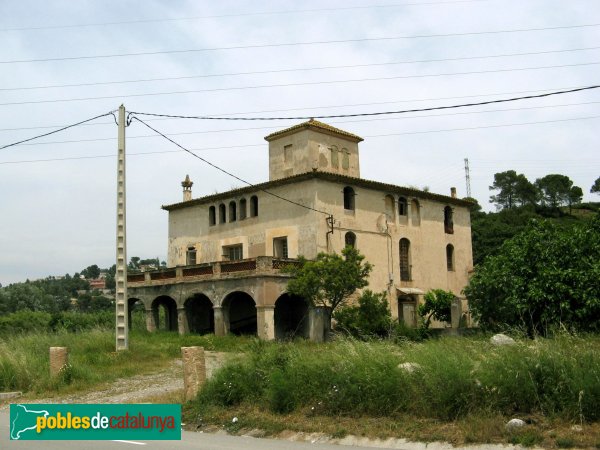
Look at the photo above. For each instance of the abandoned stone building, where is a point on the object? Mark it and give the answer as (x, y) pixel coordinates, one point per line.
(225, 250)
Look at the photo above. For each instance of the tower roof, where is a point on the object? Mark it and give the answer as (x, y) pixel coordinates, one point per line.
(315, 125)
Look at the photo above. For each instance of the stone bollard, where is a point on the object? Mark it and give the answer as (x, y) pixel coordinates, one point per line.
(194, 371)
(59, 357)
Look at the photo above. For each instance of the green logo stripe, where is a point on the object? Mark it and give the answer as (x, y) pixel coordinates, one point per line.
(95, 422)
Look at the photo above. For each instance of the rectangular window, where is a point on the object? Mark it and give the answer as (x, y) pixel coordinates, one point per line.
(287, 154)
(190, 256)
(280, 247)
(233, 252)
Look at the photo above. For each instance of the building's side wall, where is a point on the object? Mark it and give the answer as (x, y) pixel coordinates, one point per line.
(378, 237)
(312, 150)
(189, 227)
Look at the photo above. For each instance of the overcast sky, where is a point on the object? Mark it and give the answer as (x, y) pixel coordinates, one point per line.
(58, 216)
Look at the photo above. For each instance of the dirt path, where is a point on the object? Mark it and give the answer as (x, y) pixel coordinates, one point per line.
(163, 385)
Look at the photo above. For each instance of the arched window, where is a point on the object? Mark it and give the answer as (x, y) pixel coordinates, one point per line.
(389, 208)
(349, 198)
(232, 211)
(450, 257)
(402, 206)
(242, 209)
(253, 206)
(334, 157)
(448, 222)
(405, 266)
(345, 159)
(415, 212)
(212, 216)
(222, 213)
(350, 239)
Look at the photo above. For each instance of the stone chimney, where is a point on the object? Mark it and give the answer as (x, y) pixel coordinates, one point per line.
(187, 188)
(453, 192)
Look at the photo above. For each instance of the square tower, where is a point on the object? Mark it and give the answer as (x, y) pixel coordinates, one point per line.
(313, 145)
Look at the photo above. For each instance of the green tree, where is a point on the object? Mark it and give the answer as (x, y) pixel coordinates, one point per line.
(575, 196)
(543, 277)
(596, 187)
(371, 317)
(134, 264)
(330, 279)
(91, 272)
(513, 189)
(555, 189)
(438, 304)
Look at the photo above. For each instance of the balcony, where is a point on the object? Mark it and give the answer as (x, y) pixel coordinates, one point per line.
(261, 265)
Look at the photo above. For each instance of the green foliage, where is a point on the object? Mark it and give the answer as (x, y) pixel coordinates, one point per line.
(513, 190)
(544, 277)
(91, 272)
(555, 190)
(438, 304)
(371, 317)
(595, 189)
(94, 302)
(329, 279)
(25, 322)
(446, 379)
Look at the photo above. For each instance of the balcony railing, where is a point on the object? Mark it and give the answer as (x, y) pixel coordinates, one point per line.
(213, 270)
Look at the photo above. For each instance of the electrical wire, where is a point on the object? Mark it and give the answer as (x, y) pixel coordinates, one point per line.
(293, 44)
(57, 131)
(348, 66)
(228, 173)
(348, 105)
(260, 145)
(380, 113)
(220, 16)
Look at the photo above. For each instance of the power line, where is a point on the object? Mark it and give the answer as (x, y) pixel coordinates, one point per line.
(57, 131)
(228, 130)
(220, 16)
(260, 145)
(348, 66)
(354, 104)
(226, 172)
(291, 44)
(432, 108)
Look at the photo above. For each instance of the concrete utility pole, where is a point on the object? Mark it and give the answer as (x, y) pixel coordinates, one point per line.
(122, 325)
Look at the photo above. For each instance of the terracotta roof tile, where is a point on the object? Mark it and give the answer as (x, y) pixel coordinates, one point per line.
(316, 125)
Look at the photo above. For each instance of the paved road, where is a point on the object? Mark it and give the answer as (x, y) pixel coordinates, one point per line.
(189, 440)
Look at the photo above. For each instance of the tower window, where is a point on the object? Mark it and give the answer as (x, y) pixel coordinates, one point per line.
(349, 198)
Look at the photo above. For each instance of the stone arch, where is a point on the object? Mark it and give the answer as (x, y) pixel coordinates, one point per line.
(136, 314)
(164, 310)
(239, 313)
(291, 317)
(199, 314)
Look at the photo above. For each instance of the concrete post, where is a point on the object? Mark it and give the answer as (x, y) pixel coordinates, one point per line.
(182, 322)
(219, 321)
(265, 322)
(455, 313)
(151, 320)
(194, 371)
(318, 324)
(121, 306)
(59, 357)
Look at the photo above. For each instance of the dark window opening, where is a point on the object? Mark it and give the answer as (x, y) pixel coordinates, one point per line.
(222, 213)
(242, 209)
(349, 198)
(450, 257)
(190, 256)
(405, 267)
(212, 216)
(350, 239)
(232, 211)
(280, 247)
(253, 206)
(233, 252)
(448, 222)
(402, 206)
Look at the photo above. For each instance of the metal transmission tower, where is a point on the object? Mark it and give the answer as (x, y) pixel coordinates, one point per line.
(122, 325)
(468, 177)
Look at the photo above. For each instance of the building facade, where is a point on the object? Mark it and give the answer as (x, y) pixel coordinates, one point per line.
(225, 250)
